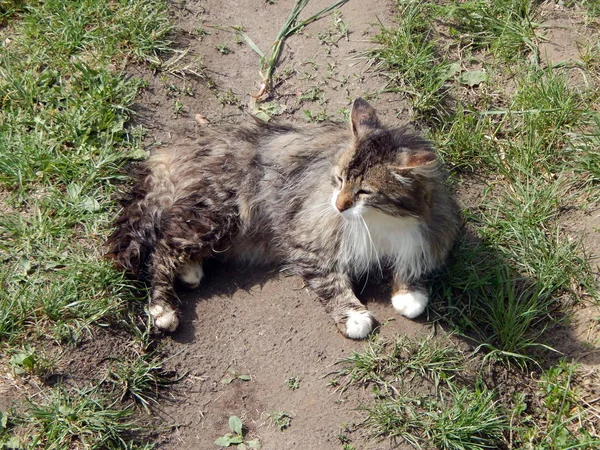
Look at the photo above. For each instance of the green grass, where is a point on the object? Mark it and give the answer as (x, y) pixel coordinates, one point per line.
(443, 411)
(408, 57)
(63, 140)
(65, 420)
(505, 28)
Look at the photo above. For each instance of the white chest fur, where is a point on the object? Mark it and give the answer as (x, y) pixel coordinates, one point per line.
(371, 239)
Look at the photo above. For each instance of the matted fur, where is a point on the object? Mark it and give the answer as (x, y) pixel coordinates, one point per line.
(328, 202)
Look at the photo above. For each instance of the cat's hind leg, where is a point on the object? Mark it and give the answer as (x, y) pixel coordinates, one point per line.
(190, 273)
(409, 299)
(163, 304)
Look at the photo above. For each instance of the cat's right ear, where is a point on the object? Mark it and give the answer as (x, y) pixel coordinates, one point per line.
(363, 118)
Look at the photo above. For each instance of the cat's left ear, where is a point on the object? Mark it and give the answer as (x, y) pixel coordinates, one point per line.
(418, 158)
(422, 162)
(363, 118)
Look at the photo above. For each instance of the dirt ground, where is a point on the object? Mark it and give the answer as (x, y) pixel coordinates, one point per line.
(259, 322)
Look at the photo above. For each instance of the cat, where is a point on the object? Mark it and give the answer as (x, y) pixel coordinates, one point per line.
(328, 202)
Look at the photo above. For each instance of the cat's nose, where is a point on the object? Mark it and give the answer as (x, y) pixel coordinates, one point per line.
(342, 203)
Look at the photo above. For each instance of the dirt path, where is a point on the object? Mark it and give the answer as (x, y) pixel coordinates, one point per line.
(259, 324)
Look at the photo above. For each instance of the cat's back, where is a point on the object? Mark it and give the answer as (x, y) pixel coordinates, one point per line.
(289, 145)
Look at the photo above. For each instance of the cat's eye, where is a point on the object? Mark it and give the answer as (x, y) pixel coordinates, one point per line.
(337, 180)
(364, 192)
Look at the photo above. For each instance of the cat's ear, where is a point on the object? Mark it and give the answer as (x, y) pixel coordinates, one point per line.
(419, 158)
(362, 118)
(422, 162)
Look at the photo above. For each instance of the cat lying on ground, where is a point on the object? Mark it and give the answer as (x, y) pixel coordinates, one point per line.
(328, 202)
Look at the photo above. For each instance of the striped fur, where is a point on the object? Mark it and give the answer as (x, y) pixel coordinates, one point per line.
(328, 203)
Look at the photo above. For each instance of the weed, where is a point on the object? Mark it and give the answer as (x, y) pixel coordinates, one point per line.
(200, 32)
(30, 361)
(236, 436)
(289, 28)
(312, 94)
(338, 31)
(281, 419)
(224, 49)
(228, 98)
(174, 89)
(266, 110)
(318, 117)
(233, 375)
(178, 108)
(293, 383)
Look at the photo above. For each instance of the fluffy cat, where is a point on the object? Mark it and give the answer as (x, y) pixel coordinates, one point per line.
(328, 202)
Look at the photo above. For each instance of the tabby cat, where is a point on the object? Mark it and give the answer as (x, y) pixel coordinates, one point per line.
(328, 202)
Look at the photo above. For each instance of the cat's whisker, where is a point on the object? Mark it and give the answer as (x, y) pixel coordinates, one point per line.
(372, 244)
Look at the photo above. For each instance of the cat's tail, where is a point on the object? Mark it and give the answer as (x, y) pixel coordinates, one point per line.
(137, 227)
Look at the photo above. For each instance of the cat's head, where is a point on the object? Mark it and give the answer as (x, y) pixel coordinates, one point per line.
(385, 170)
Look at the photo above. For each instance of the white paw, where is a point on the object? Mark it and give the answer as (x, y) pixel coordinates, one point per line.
(359, 324)
(191, 274)
(410, 304)
(164, 317)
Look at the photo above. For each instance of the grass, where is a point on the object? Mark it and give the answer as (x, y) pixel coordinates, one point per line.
(417, 397)
(63, 140)
(527, 143)
(85, 419)
(408, 57)
(506, 28)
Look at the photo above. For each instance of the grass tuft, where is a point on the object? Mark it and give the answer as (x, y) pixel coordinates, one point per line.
(503, 27)
(140, 379)
(83, 420)
(407, 56)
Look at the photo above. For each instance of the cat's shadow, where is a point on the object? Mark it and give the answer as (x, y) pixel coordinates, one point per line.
(477, 273)
(221, 279)
(225, 279)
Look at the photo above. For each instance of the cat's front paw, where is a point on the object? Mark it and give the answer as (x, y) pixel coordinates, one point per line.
(358, 324)
(410, 304)
(164, 317)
